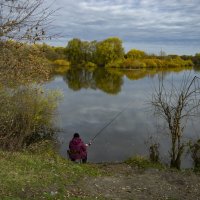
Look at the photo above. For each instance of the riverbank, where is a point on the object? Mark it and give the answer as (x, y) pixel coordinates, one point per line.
(42, 174)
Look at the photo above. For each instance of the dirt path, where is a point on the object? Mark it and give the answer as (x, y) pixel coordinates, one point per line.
(122, 181)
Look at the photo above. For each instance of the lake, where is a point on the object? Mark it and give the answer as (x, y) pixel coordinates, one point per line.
(92, 98)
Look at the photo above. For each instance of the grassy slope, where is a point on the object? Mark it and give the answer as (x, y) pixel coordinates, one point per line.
(39, 175)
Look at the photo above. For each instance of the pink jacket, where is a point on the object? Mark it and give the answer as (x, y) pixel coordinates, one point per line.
(77, 149)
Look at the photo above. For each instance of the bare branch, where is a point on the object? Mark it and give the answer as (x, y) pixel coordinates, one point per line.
(26, 20)
(176, 106)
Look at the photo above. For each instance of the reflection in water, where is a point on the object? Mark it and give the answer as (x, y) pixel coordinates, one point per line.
(89, 109)
(109, 80)
(97, 79)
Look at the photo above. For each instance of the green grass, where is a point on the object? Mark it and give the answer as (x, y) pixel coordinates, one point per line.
(143, 163)
(40, 174)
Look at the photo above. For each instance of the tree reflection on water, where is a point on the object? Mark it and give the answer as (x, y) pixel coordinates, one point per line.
(109, 80)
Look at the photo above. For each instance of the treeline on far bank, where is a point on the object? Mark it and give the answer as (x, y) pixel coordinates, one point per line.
(110, 53)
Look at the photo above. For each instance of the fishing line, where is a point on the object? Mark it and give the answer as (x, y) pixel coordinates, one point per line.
(110, 122)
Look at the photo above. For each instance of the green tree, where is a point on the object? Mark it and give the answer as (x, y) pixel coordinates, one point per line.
(52, 53)
(47, 51)
(74, 52)
(135, 54)
(60, 51)
(196, 59)
(79, 52)
(109, 50)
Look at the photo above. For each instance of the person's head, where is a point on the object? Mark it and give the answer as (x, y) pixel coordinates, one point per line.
(76, 135)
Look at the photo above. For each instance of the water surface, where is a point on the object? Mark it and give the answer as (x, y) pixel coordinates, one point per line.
(93, 98)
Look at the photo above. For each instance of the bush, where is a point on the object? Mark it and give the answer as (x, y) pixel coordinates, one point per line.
(135, 54)
(26, 116)
(115, 64)
(22, 64)
(195, 153)
(61, 62)
(177, 62)
(188, 63)
(143, 163)
(130, 63)
(172, 64)
(150, 62)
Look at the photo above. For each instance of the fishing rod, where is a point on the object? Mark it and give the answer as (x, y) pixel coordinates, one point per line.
(110, 122)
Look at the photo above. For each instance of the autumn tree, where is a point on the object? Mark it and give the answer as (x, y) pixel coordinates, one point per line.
(135, 54)
(79, 52)
(109, 50)
(100, 53)
(196, 59)
(50, 52)
(22, 21)
(26, 113)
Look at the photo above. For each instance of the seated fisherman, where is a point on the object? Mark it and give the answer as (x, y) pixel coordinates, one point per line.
(77, 149)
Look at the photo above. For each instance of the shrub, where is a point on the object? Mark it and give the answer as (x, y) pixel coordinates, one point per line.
(143, 162)
(195, 153)
(130, 63)
(150, 62)
(26, 116)
(177, 62)
(22, 64)
(62, 62)
(115, 64)
(188, 63)
(135, 54)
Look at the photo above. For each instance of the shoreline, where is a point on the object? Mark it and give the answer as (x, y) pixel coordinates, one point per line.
(42, 174)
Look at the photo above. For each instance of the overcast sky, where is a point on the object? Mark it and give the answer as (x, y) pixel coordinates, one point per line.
(149, 25)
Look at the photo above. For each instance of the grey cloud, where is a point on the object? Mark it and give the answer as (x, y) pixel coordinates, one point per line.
(94, 23)
(144, 20)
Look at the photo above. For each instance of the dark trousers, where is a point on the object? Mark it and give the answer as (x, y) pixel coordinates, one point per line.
(83, 160)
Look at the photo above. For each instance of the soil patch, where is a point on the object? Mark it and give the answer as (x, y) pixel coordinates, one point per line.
(122, 181)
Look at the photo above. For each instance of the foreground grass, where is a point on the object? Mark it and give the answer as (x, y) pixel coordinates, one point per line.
(40, 174)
